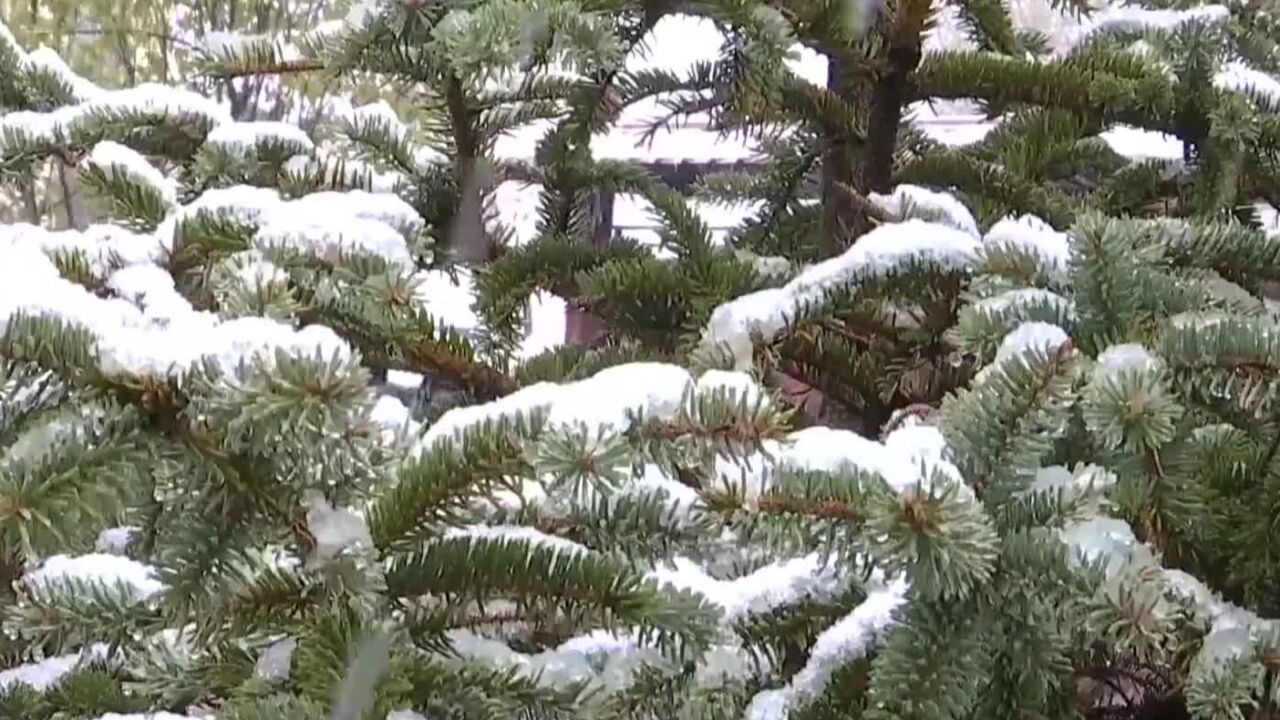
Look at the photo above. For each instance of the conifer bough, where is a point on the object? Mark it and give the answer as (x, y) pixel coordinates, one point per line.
(205, 513)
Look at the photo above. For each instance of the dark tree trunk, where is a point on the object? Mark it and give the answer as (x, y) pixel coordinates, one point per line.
(885, 118)
(467, 237)
(840, 217)
(602, 217)
(581, 327)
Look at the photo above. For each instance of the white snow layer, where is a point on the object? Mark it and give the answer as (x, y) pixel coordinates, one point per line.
(380, 112)
(328, 234)
(599, 656)
(774, 585)
(148, 98)
(741, 385)
(324, 223)
(765, 312)
(850, 638)
(1033, 236)
(1021, 297)
(520, 533)
(276, 660)
(243, 138)
(908, 457)
(159, 334)
(1127, 358)
(150, 716)
(1025, 337)
(1029, 336)
(602, 401)
(46, 60)
(43, 674)
(101, 244)
(390, 413)
(1240, 77)
(449, 298)
(97, 567)
(114, 541)
(911, 201)
(335, 529)
(130, 163)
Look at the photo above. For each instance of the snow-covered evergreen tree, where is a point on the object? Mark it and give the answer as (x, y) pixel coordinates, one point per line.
(1061, 505)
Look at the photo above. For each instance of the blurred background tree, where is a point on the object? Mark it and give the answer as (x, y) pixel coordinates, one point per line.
(116, 43)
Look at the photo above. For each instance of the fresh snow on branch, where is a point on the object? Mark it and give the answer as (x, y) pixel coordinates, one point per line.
(1237, 76)
(97, 567)
(519, 533)
(601, 402)
(850, 638)
(43, 674)
(1126, 358)
(112, 156)
(148, 99)
(911, 201)
(163, 337)
(1033, 236)
(101, 244)
(1122, 17)
(780, 583)
(766, 312)
(46, 60)
(381, 112)
(246, 138)
(1028, 336)
(1021, 297)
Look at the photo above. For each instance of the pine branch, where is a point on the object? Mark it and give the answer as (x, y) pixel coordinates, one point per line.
(587, 586)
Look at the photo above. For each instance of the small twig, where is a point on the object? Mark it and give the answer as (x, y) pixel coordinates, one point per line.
(863, 203)
(285, 67)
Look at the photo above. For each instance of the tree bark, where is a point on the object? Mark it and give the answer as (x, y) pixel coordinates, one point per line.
(72, 198)
(602, 217)
(885, 117)
(582, 327)
(466, 238)
(33, 205)
(840, 219)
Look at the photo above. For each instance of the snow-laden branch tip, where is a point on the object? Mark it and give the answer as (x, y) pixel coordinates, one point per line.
(45, 673)
(1022, 297)
(109, 156)
(784, 582)
(519, 533)
(852, 637)
(46, 60)
(246, 138)
(102, 245)
(911, 201)
(599, 657)
(1034, 236)
(1126, 358)
(150, 99)
(323, 223)
(601, 402)
(164, 336)
(96, 567)
(1126, 18)
(766, 312)
(1240, 77)
(908, 457)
